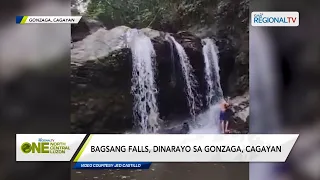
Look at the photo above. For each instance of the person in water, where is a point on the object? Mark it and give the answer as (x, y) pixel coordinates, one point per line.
(223, 118)
(185, 128)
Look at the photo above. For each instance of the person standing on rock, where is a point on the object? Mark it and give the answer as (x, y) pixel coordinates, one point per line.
(223, 118)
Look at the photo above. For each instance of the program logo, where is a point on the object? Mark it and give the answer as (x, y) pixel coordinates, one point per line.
(279, 18)
(45, 146)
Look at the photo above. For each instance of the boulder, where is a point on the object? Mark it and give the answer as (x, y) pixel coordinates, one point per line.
(239, 121)
(85, 27)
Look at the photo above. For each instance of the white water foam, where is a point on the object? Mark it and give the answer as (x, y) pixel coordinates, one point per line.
(190, 81)
(209, 121)
(212, 69)
(144, 88)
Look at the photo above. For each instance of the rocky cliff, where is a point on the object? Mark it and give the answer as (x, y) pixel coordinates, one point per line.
(101, 77)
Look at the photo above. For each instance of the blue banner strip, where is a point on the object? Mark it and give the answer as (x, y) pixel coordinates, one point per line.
(19, 19)
(112, 165)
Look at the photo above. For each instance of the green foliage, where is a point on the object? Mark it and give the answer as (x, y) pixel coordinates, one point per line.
(134, 13)
(149, 13)
(231, 17)
(232, 20)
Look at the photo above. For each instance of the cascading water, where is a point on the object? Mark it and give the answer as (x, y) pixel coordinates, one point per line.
(190, 80)
(209, 120)
(210, 53)
(173, 76)
(208, 73)
(143, 87)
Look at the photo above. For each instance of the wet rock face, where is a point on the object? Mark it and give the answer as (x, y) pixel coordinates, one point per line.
(101, 79)
(234, 68)
(239, 120)
(101, 100)
(79, 31)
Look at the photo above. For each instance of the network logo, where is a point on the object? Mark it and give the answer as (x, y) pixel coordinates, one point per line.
(44, 146)
(271, 19)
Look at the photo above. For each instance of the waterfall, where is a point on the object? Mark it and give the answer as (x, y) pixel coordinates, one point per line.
(210, 53)
(173, 76)
(187, 71)
(209, 120)
(144, 90)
